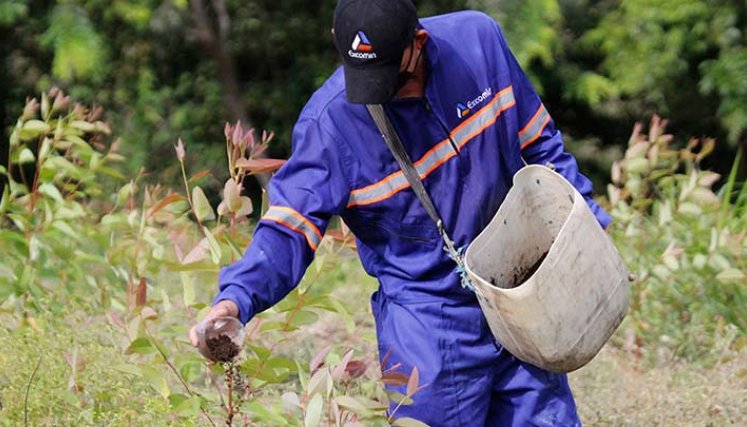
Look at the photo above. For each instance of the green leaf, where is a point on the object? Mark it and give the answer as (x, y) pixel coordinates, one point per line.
(157, 380)
(397, 397)
(184, 405)
(33, 129)
(231, 195)
(271, 326)
(128, 369)
(83, 126)
(215, 252)
(303, 317)
(313, 412)
(636, 166)
(26, 156)
(246, 207)
(352, 404)
(141, 345)
(5, 199)
(65, 228)
(188, 289)
(51, 191)
(125, 193)
(203, 210)
(731, 275)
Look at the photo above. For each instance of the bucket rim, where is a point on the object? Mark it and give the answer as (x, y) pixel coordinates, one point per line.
(519, 289)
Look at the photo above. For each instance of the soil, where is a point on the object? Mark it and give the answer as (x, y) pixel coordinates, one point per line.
(222, 348)
(521, 274)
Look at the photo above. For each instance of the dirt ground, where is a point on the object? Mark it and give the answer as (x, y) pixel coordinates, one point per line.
(613, 391)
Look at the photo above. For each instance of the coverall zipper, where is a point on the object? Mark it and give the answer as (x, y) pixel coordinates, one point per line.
(441, 124)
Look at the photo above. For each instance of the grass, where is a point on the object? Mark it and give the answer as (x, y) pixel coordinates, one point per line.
(106, 396)
(616, 389)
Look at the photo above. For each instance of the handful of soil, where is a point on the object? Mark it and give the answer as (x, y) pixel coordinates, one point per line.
(221, 339)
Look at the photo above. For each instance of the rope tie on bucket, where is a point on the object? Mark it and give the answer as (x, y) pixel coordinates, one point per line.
(457, 255)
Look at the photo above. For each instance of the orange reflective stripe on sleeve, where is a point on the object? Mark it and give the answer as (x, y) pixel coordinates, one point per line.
(293, 220)
(534, 128)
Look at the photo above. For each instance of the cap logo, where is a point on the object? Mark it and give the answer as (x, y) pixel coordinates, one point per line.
(464, 110)
(361, 47)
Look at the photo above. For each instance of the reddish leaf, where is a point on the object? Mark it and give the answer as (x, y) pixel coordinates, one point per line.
(178, 251)
(413, 382)
(319, 358)
(340, 369)
(200, 174)
(260, 165)
(171, 198)
(149, 313)
(238, 132)
(116, 320)
(266, 138)
(198, 253)
(385, 359)
(393, 367)
(258, 150)
(141, 295)
(394, 378)
(356, 368)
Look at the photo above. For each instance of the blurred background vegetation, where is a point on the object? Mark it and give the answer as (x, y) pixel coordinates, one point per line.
(164, 69)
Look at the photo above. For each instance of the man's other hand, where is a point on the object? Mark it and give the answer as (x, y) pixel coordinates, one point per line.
(222, 309)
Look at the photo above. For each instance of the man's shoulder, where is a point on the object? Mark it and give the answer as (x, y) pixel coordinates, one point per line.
(466, 36)
(329, 97)
(458, 21)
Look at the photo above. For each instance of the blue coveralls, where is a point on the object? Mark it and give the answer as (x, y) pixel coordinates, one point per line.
(467, 137)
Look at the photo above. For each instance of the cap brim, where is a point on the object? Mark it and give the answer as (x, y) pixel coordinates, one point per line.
(370, 85)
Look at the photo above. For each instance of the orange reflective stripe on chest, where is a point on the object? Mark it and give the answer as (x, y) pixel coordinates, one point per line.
(439, 154)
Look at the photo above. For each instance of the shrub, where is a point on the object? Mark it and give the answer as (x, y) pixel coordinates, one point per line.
(685, 243)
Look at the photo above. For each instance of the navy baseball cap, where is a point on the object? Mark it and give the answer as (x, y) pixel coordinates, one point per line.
(371, 36)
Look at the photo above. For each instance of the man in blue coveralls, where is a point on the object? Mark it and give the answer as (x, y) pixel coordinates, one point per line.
(469, 118)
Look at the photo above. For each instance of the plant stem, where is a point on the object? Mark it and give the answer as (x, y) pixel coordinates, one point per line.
(178, 375)
(229, 367)
(26, 399)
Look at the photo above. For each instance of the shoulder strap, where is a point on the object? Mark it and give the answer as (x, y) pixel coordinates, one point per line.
(405, 163)
(413, 177)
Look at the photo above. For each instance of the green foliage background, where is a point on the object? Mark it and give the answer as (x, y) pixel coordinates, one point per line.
(600, 65)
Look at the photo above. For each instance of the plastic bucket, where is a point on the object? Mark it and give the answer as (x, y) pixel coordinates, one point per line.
(550, 282)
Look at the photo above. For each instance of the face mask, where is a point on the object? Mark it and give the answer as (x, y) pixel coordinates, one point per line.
(404, 76)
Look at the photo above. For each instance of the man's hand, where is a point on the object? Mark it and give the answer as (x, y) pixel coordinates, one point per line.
(222, 309)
